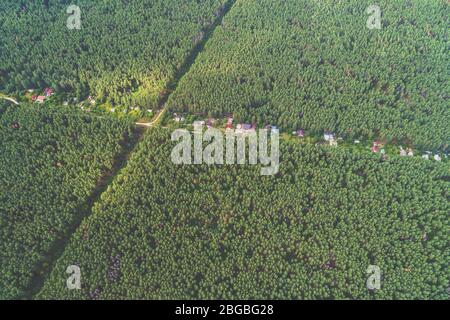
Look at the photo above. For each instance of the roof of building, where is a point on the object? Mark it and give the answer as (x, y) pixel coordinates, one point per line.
(40, 99)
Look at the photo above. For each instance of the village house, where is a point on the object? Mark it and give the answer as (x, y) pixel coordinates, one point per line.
(426, 155)
(437, 157)
(378, 143)
(299, 133)
(375, 148)
(229, 124)
(176, 117)
(330, 138)
(403, 152)
(91, 100)
(270, 127)
(244, 126)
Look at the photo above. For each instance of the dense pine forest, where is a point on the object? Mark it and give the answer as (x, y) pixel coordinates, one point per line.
(50, 162)
(124, 54)
(86, 177)
(315, 65)
(225, 232)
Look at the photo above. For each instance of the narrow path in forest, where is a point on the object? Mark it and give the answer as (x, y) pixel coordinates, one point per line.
(46, 265)
(9, 99)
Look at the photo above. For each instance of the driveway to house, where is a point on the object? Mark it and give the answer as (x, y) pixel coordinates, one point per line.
(154, 122)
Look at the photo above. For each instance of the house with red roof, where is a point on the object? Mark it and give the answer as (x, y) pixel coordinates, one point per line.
(48, 92)
(40, 99)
